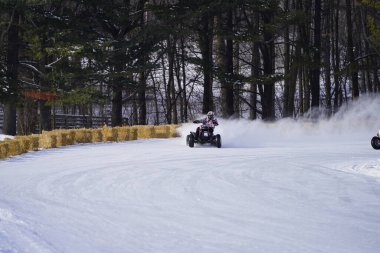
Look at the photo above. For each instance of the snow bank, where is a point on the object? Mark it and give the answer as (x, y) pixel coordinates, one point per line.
(3, 136)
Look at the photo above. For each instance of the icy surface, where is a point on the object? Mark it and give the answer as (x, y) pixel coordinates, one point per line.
(284, 187)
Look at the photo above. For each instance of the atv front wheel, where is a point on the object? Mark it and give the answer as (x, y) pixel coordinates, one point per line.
(375, 142)
(191, 141)
(218, 141)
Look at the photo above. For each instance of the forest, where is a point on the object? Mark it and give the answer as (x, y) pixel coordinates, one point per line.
(138, 62)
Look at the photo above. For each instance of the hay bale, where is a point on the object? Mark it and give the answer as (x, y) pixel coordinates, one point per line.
(123, 133)
(61, 137)
(145, 132)
(48, 140)
(4, 150)
(34, 142)
(133, 133)
(162, 131)
(70, 137)
(14, 147)
(109, 134)
(97, 135)
(25, 143)
(173, 131)
(83, 136)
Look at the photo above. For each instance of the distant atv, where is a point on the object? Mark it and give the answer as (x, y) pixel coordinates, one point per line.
(375, 142)
(206, 135)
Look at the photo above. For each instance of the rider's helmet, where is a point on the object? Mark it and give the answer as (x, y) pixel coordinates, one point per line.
(210, 115)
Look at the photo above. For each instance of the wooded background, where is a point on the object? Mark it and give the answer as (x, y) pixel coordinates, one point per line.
(155, 62)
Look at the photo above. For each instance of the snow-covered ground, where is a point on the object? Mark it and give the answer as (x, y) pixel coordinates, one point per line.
(283, 187)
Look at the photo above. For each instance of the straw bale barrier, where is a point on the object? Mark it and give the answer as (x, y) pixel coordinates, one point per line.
(132, 134)
(59, 138)
(126, 133)
(48, 139)
(70, 138)
(162, 131)
(83, 136)
(109, 134)
(12, 147)
(4, 148)
(34, 142)
(25, 143)
(145, 132)
(97, 135)
(173, 131)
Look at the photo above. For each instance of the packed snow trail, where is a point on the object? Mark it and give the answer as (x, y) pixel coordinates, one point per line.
(161, 196)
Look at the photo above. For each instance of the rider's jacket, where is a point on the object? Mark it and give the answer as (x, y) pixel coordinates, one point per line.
(213, 121)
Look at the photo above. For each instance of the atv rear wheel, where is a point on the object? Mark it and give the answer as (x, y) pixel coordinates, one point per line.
(375, 142)
(191, 140)
(187, 139)
(218, 141)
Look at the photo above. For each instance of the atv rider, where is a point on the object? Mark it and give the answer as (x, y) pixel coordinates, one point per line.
(209, 119)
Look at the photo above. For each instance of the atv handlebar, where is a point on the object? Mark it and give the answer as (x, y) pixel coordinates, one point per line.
(207, 126)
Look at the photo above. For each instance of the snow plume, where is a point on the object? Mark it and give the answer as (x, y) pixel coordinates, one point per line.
(359, 120)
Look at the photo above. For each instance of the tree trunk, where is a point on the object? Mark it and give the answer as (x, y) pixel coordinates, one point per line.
(10, 119)
(228, 90)
(238, 86)
(142, 100)
(350, 51)
(183, 63)
(287, 110)
(294, 69)
(301, 91)
(117, 84)
(157, 114)
(117, 106)
(171, 88)
(13, 43)
(316, 68)
(225, 64)
(376, 81)
(255, 75)
(205, 45)
(327, 54)
(336, 62)
(268, 98)
(168, 114)
(179, 83)
(135, 110)
(44, 107)
(307, 67)
(45, 116)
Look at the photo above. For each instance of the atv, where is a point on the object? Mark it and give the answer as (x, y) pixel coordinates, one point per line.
(375, 142)
(206, 135)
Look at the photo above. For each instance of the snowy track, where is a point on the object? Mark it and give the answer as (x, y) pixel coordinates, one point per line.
(161, 196)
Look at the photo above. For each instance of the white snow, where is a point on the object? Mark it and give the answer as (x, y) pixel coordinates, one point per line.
(3, 136)
(283, 187)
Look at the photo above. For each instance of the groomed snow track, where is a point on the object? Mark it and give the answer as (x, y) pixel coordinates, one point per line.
(161, 196)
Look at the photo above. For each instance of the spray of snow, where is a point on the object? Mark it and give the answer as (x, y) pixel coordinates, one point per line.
(360, 120)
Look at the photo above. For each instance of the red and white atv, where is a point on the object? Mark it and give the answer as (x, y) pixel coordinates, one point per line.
(206, 135)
